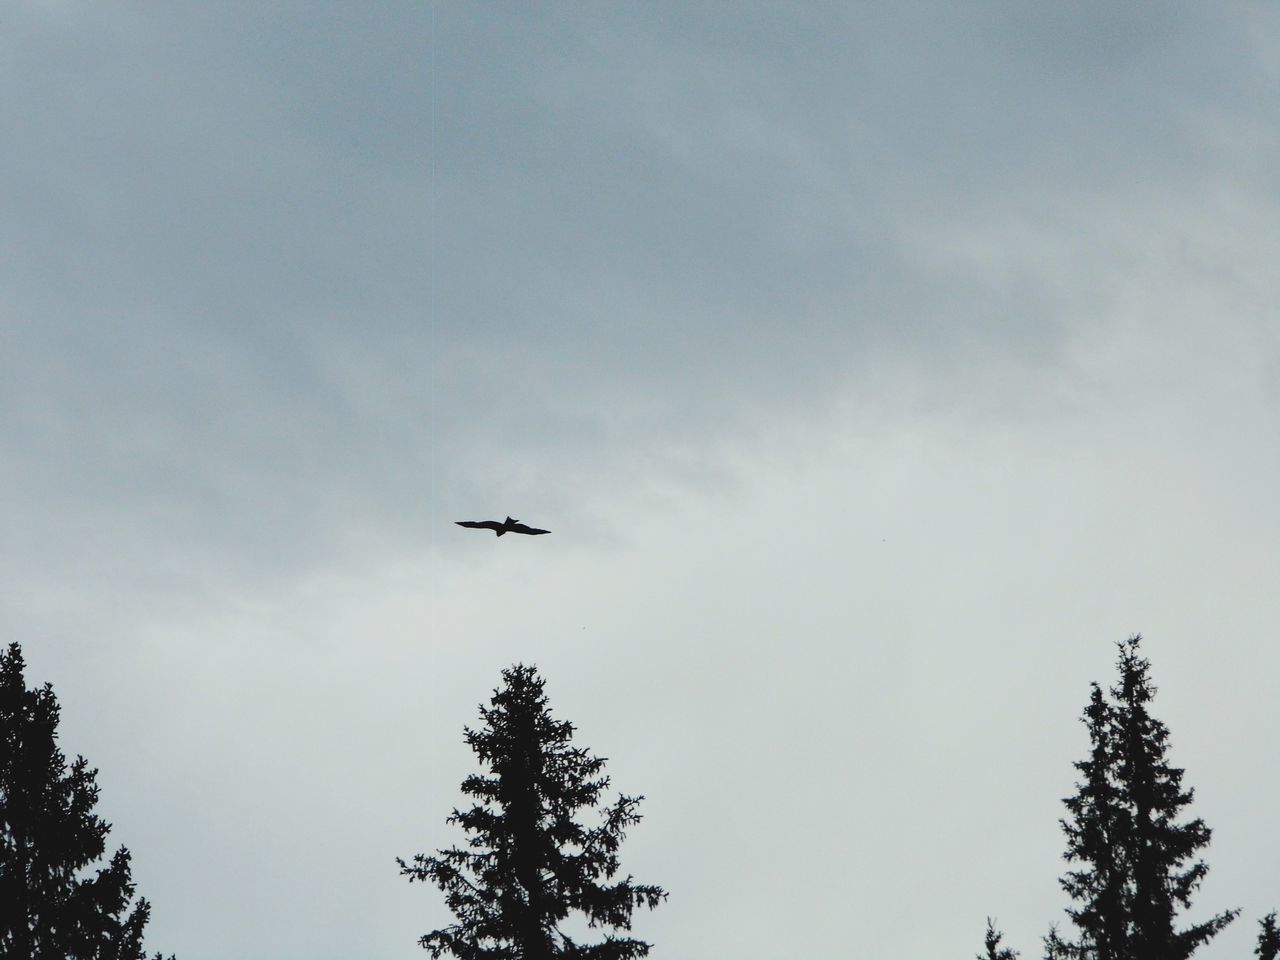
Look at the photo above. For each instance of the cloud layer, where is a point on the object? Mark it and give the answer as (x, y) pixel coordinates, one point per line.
(875, 370)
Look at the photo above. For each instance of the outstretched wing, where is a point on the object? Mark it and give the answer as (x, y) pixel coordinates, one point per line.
(524, 528)
(480, 524)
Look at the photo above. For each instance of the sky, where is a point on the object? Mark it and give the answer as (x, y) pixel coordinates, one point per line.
(876, 366)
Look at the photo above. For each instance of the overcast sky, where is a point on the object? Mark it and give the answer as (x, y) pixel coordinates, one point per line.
(876, 367)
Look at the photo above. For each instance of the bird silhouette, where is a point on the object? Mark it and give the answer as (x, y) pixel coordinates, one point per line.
(506, 526)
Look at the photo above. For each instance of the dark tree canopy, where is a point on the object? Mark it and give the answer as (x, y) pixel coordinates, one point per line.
(1136, 855)
(1055, 948)
(1097, 817)
(529, 862)
(51, 906)
(1268, 947)
(992, 943)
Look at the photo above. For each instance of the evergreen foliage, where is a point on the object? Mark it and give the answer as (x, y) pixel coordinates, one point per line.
(1098, 819)
(529, 863)
(1137, 857)
(51, 907)
(1055, 948)
(992, 943)
(1268, 947)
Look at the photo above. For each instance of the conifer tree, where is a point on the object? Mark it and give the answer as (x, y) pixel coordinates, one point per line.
(1098, 819)
(1055, 948)
(992, 943)
(529, 862)
(1137, 856)
(51, 907)
(1268, 947)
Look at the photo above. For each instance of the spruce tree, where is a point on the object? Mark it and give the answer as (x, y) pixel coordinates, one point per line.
(992, 944)
(1098, 819)
(1055, 948)
(51, 906)
(529, 862)
(1137, 856)
(1268, 947)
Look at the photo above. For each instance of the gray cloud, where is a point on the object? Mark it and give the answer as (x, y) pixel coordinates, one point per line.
(281, 298)
(644, 220)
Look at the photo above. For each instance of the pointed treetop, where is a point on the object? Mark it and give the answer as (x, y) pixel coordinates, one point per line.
(50, 839)
(1268, 947)
(992, 942)
(529, 862)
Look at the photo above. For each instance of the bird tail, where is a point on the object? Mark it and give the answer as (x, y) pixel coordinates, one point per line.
(499, 532)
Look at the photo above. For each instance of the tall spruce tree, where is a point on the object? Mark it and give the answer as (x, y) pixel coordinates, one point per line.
(529, 863)
(1137, 857)
(1098, 819)
(51, 906)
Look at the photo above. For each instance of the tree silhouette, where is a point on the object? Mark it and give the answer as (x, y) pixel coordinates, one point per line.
(529, 862)
(1055, 948)
(51, 908)
(1098, 818)
(992, 943)
(1268, 947)
(1136, 858)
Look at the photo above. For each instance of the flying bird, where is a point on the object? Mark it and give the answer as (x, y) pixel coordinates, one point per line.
(506, 526)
